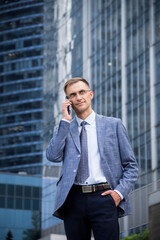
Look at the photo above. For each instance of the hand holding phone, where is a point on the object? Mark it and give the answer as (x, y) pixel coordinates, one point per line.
(66, 109)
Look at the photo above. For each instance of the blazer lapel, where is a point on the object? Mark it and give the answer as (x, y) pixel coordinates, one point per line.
(100, 126)
(75, 133)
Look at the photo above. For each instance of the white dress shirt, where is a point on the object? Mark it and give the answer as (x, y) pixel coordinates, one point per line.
(96, 174)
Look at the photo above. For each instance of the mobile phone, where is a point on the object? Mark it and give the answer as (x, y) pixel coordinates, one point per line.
(68, 108)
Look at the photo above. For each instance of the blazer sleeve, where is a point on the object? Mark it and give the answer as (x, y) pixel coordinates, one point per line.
(55, 150)
(128, 161)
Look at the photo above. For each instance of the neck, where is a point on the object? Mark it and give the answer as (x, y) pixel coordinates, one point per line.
(84, 115)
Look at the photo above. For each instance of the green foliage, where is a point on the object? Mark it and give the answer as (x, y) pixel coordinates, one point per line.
(144, 235)
(9, 236)
(35, 232)
(32, 234)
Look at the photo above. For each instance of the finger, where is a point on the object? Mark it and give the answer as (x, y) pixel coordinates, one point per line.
(68, 103)
(67, 100)
(106, 192)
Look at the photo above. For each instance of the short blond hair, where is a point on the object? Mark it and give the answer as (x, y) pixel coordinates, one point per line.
(74, 80)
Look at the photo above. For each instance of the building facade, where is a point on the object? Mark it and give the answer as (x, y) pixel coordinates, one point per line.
(121, 60)
(21, 85)
(20, 204)
(115, 45)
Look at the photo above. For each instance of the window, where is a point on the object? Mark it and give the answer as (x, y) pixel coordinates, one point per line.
(18, 203)
(35, 204)
(10, 202)
(2, 202)
(19, 191)
(36, 192)
(20, 197)
(10, 190)
(27, 191)
(2, 189)
(27, 204)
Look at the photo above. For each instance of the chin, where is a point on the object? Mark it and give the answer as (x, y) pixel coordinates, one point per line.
(79, 110)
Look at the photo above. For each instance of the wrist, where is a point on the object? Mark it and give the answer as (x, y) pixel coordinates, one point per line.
(67, 117)
(120, 194)
(66, 120)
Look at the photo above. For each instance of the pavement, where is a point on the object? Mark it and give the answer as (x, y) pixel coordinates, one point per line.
(56, 237)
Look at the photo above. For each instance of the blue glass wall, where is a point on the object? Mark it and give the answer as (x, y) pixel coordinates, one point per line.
(138, 85)
(20, 199)
(106, 57)
(157, 73)
(21, 83)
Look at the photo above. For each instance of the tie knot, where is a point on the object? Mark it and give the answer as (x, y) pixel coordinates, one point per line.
(83, 123)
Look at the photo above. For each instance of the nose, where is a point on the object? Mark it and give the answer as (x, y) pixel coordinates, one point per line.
(78, 96)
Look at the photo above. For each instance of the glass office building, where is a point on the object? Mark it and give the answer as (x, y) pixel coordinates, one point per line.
(21, 85)
(115, 45)
(20, 204)
(62, 59)
(120, 53)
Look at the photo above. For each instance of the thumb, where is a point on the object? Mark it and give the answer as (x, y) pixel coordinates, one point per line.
(106, 193)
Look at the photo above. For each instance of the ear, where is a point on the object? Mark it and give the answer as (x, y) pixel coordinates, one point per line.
(91, 94)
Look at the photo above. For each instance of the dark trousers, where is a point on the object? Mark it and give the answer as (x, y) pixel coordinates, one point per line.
(84, 212)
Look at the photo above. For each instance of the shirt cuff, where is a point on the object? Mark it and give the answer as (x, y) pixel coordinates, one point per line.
(65, 120)
(119, 194)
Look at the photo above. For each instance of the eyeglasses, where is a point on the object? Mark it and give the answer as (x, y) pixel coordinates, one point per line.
(81, 93)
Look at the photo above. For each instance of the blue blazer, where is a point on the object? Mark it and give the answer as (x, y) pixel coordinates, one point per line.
(117, 159)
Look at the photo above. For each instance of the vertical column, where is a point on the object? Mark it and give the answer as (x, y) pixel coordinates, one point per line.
(124, 81)
(86, 40)
(123, 61)
(48, 72)
(154, 156)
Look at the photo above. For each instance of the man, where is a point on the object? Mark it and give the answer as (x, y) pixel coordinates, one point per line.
(99, 168)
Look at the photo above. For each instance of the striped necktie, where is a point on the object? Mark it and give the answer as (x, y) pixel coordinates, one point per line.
(83, 171)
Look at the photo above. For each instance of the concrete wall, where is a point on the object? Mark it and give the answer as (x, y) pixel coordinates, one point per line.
(154, 215)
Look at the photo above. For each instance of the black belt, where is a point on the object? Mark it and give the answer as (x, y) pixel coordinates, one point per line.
(91, 188)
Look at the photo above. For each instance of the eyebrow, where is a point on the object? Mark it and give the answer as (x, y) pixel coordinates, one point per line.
(78, 91)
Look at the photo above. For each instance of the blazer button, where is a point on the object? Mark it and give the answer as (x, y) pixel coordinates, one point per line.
(79, 155)
(74, 170)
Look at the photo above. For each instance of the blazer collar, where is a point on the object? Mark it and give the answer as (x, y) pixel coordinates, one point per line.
(100, 127)
(75, 133)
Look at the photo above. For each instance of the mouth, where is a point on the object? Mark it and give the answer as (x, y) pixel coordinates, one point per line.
(79, 104)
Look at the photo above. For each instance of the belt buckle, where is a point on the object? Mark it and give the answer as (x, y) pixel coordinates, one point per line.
(86, 189)
(105, 186)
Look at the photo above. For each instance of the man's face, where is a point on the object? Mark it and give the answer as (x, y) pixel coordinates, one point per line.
(80, 96)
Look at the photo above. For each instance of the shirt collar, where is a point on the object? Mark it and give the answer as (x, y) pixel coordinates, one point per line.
(90, 119)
